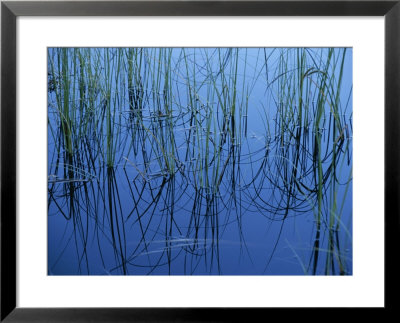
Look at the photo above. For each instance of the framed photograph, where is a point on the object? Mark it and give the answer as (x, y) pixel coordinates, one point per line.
(195, 160)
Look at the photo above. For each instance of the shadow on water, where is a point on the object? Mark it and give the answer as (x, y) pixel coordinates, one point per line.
(200, 161)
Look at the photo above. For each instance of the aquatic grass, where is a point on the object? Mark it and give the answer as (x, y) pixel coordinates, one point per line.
(322, 86)
(180, 122)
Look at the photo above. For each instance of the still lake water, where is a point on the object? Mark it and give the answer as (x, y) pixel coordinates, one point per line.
(200, 161)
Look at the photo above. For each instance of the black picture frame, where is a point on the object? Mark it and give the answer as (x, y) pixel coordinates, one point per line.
(10, 10)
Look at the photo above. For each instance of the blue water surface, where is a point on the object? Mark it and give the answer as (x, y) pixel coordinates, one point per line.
(199, 161)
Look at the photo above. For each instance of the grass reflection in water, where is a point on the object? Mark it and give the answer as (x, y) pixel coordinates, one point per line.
(199, 161)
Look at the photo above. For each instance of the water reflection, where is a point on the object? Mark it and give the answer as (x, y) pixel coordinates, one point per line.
(198, 161)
